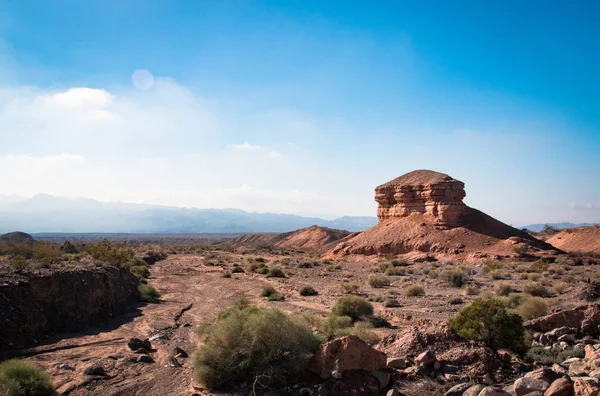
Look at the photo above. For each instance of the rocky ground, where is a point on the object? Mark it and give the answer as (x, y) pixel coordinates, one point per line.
(195, 287)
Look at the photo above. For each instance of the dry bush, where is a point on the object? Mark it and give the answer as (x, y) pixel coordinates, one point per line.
(395, 271)
(471, 290)
(502, 289)
(537, 290)
(455, 277)
(423, 387)
(414, 290)
(349, 288)
(532, 308)
(561, 287)
(391, 302)
(378, 281)
(308, 291)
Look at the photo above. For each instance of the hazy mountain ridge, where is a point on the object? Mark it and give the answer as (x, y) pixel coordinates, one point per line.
(47, 213)
(560, 226)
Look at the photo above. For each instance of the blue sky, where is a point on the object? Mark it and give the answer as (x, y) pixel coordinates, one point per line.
(303, 106)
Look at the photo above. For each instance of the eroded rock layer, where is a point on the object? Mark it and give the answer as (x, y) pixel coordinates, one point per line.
(422, 192)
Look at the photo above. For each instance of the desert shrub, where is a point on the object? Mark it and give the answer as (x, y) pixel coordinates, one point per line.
(539, 266)
(395, 271)
(489, 266)
(524, 276)
(154, 256)
(237, 270)
(455, 301)
(148, 294)
(502, 289)
(471, 290)
(378, 281)
(357, 308)
(423, 387)
(532, 308)
(400, 263)
(21, 378)
(497, 274)
(46, 253)
(260, 260)
(414, 290)
(349, 288)
(267, 291)
(536, 289)
(19, 263)
(331, 268)
(255, 266)
(308, 291)
(561, 287)
(488, 320)
(513, 301)
(209, 263)
(391, 302)
(275, 297)
(226, 274)
(275, 272)
(363, 330)
(248, 342)
(454, 277)
(112, 253)
(306, 264)
(141, 271)
(534, 277)
(335, 326)
(69, 248)
(521, 250)
(263, 270)
(543, 356)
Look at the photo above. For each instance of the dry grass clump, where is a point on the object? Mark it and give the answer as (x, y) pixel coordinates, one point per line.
(532, 308)
(308, 291)
(414, 290)
(471, 290)
(537, 290)
(349, 288)
(395, 271)
(502, 289)
(391, 302)
(455, 277)
(148, 294)
(378, 281)
(423, 387)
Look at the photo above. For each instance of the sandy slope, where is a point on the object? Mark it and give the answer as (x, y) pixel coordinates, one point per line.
(309, 237)
(580, 239)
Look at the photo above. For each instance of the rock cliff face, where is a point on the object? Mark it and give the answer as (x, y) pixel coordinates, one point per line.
(67, 300)
(422, 192)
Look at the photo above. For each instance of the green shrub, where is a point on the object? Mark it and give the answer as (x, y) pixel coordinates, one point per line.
(21, 378)
(378, 281)
(536, 290)
(395, 271)
(254, 266)
(400, 263)
(543, 356)
(391, 302)
(260, 260)
(502, 289)
(513, 301)
(112, 253)
(209, 263)
(471, 290)
(454, 277)
(263, 270)
(487, 320)
(154, 256)
(357, 308)
(414, 290)
(306, 264)
(275, 273)
(497, 275)
(141, 271)
(308, 291)
(532, 308)
(335, 326)
(455, 301)
(349, 288)
(237, 270)
(19, 263)
(148, 294)
(248, 343)
(227, 274)
(46, 253)
(267, 291)
(489, 266)
(275, 297)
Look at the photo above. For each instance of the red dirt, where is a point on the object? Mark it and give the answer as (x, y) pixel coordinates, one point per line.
(580, 239)
(309, 237)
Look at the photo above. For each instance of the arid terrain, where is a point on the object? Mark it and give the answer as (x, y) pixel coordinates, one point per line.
(418, 268)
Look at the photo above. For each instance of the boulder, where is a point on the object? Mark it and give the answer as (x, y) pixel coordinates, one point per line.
(493, 391)
(561, 387)
(134, 344)
(458, 389)
(396, 363)
(425, 359)
(348, 353)
(474, 390)
(526, 385)
(584, 318)
(95, 369)
(544, 374)
(586, 387)
(145, 359)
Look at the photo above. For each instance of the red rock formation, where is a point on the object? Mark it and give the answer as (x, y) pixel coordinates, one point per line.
(422, 192)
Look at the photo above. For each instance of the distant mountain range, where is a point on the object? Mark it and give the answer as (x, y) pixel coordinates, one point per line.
(48, 213)
(560, 226)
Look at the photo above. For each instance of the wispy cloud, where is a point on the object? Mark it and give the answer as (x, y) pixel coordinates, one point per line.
(245, 146)
(587, 206)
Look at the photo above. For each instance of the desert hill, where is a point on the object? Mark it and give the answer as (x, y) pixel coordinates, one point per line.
(310, 237)
(16, 237)
(423, 211)
(581, 239)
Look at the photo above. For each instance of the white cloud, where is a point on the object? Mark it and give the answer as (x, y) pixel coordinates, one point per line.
(275, 154)
(245, 146)
(587, 206)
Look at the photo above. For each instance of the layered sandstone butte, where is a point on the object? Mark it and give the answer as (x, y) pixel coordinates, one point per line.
(423, 212)
(422, 192)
